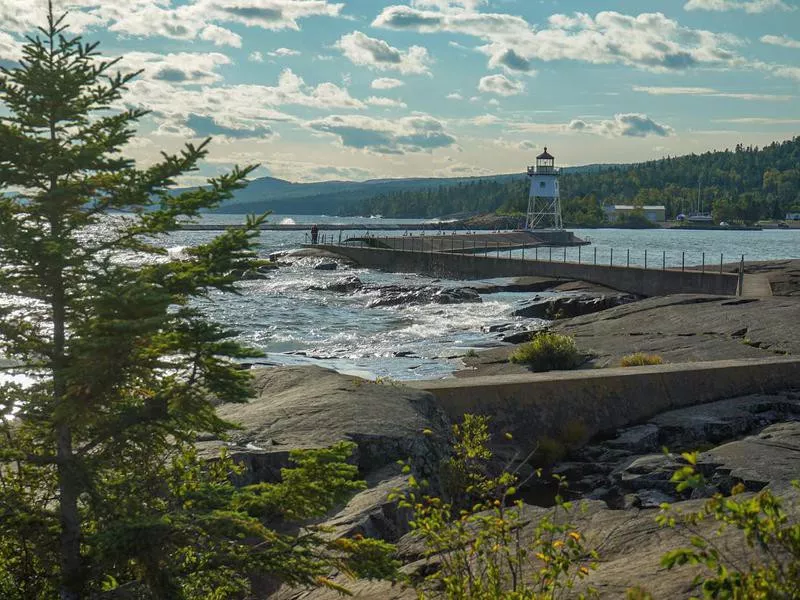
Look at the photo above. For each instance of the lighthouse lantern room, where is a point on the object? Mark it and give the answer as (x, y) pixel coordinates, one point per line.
(544, 202)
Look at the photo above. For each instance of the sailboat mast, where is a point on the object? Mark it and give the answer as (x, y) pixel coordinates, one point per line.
(699, 207)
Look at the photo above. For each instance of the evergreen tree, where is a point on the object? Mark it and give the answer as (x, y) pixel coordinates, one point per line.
(100, 486)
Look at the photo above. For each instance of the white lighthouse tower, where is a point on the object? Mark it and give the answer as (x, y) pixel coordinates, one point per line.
(544, 202)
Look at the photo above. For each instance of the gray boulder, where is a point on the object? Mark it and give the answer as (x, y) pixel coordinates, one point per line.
(345, 285)
(567, 306)
(373, 514)
(326, 266)
(399, 296)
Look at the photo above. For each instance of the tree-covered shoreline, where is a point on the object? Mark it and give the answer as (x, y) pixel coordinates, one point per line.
(745, 184)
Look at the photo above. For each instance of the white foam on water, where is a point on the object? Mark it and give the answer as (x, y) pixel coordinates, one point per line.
(177, 253)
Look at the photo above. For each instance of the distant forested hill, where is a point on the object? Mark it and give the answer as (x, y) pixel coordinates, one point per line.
(341, 197)
(744, 184)
(326, 197)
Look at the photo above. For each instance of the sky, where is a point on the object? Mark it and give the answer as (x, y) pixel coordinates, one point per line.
(362, 89)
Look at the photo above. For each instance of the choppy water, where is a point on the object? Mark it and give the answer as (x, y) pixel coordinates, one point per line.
(294, 324)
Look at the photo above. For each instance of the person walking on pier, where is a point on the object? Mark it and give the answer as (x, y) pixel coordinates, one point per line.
(314, 234)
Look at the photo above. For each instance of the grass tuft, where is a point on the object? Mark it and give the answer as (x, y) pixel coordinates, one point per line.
(640, 359)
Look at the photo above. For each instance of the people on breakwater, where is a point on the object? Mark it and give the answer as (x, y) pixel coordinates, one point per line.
(314, 234)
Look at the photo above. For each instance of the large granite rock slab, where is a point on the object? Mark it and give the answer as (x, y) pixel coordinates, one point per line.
(771, 457)
(687, 328)
(680, 328)
(312, 407)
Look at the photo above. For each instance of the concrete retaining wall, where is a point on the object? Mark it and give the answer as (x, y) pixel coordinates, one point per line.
(634, 280)
(557, 404)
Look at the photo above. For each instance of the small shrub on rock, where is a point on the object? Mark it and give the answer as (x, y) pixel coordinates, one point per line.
(768, 526)
(548, 352)
(640, 359)
(480, 551)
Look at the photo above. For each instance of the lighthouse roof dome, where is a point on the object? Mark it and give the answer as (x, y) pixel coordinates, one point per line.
(545, 155)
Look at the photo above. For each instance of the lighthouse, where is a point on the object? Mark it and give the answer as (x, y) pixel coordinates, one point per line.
(544, 202)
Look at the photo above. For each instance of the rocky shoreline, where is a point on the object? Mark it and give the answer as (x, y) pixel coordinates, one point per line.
(621, 479)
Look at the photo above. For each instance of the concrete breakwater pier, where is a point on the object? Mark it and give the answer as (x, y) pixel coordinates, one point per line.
(448, 260)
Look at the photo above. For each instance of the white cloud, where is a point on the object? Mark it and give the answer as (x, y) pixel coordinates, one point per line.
(292, 89)
(183, 68)
(783, 40)
(623, 125)
(268, 14)
(448, 5)
(279, 52)
(233, 111)
(149, 18)
(10, 48)
(648, 41)
(418, 133)
(710, 92)
(749, 6)
(374, 53)
(385, 83)
(454, 96)
(220, 36)
(385, 102)
(788, 72)
(256, 56)
(235, 107)
(500, 85)
(484, 120)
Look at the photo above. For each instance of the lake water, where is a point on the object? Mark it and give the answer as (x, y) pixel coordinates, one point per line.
(293, 323)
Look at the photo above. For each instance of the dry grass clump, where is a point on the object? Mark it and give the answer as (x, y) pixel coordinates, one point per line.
(640, 359)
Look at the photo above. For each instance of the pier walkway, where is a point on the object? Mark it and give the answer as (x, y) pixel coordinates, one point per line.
(756, 286)
(470, 242)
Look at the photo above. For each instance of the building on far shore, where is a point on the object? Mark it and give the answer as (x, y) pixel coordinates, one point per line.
(615, 212)
(793, 216)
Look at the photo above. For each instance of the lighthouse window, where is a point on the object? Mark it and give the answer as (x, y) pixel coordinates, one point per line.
(542, 184)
